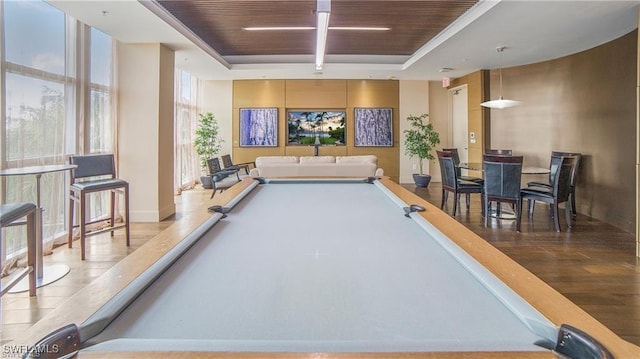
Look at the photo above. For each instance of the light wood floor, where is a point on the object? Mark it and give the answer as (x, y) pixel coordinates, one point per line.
(593, 264)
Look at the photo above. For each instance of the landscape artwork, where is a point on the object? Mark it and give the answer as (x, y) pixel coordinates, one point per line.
(373, 127)
(305, 127)
(258, 127)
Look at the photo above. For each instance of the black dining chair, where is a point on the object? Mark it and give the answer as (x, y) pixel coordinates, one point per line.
(221, 179)
(451, 183)
(489, 151)
(559, 192)
(456, 161)
(95, 173)
(502, 176)
(498, 152)
(553, 163)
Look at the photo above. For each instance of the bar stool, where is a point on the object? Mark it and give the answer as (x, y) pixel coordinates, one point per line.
(9, 216)
(95, 173)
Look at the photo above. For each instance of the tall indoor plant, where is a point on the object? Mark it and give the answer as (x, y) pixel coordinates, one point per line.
(207, 143)
(420, 140)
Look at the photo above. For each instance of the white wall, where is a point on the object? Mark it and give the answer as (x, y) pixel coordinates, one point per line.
(145, 117)
(414, 100)
(217, 98)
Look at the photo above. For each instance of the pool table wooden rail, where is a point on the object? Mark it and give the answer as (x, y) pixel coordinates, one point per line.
(545, 299)
(553, 305)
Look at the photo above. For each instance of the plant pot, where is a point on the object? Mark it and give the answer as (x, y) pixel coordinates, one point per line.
(206, 182)
(421, 180)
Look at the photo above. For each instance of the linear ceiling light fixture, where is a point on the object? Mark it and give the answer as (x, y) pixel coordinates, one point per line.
(323, 11)
(298, 28)
(278, 28)
(501, 102)
(359, 28)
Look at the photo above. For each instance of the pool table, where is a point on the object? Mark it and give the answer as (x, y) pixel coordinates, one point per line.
(319, 267)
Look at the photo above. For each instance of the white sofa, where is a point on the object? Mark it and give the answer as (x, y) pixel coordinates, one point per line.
(317, 166)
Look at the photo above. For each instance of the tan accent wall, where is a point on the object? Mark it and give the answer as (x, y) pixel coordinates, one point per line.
(317, 94)
(478, 117)
(307, 94)
(375, 93)
(145, 128)
(257, 93)
(587, 103)
(165, 161)
(439, 113)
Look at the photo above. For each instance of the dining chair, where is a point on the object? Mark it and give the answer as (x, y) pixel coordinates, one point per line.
(221, 179)
(11, 214)
(456, 161)
(489, 151)
(502, 176)
(228, 164)
(451, 183)
(553, 163)
(559, 192)
(95, 173)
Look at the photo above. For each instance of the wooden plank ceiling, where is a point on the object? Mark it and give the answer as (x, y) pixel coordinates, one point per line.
(220, 24)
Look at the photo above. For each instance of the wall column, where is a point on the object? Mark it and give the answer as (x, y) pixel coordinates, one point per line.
(414, 100)
(145, 128)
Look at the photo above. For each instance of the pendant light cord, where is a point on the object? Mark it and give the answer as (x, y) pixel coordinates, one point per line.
(500, 49)
(500, 102)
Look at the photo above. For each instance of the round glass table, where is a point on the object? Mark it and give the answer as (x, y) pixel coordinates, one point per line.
(50, 273)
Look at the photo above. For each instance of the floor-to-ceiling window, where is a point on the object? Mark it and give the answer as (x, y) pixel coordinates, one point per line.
(100, 121)
(100, 130)
(45, 117)
(187, 164)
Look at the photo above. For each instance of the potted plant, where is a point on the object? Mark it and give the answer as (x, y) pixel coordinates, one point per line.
(420, 140)
(208, 143)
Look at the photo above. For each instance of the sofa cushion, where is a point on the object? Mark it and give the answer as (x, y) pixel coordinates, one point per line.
(317, 170)
(316, 166)
(317, 159)
(275, 159)
(357, 159)
(279, 170)
(355, 169)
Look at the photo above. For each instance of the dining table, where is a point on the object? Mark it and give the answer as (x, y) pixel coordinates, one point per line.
(500, 212)
(477, 166)
(52, 272)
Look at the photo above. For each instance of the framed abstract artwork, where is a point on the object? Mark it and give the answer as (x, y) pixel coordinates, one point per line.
(258, 127)
(305, 127)
(373, 127)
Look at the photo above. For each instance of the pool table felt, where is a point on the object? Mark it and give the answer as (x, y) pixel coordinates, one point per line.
(356, 277)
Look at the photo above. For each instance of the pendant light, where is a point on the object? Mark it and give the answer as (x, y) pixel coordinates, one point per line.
(501, 102)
